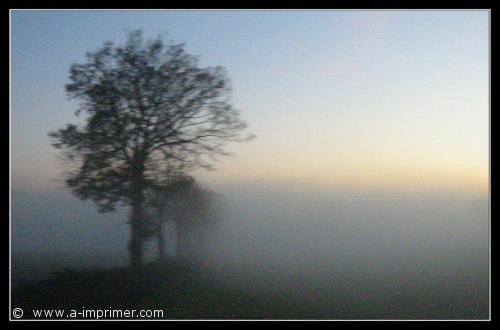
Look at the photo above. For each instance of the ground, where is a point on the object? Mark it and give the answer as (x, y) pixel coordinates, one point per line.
(184, 291)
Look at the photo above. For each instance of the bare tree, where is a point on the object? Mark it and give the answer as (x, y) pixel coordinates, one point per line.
(148, 105)
(186, 203)
(190, 212)
(160, 205)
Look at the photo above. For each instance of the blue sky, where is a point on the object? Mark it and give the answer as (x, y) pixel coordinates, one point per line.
(354, 99)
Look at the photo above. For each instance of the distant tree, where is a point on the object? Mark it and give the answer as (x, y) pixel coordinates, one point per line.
(148, 105)
(191, 215)
(160, 205)
(189, 206)
(196, 241)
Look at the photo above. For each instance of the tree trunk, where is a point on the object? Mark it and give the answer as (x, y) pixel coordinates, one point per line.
(178, 245)
(136, 236)
(161, 242)
(137, 230)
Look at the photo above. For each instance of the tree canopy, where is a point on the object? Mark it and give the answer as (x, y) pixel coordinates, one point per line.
(150, 109)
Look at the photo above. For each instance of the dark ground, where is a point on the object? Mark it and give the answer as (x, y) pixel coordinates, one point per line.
(180, 291)
(187, 292)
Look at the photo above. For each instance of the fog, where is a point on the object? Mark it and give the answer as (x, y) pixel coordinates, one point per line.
(307, 243)
(400, 250)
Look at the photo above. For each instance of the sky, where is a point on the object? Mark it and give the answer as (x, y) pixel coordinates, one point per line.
(356, 100)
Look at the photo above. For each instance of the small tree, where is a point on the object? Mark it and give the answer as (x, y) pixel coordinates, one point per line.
(199, 231)
(191, 208)
(161, 202)
(188, 205)
(148, 105)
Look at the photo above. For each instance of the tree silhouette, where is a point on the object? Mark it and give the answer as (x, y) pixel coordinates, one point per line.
(160, 204)
(189, 208)
(189, 205)
(149, 106)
